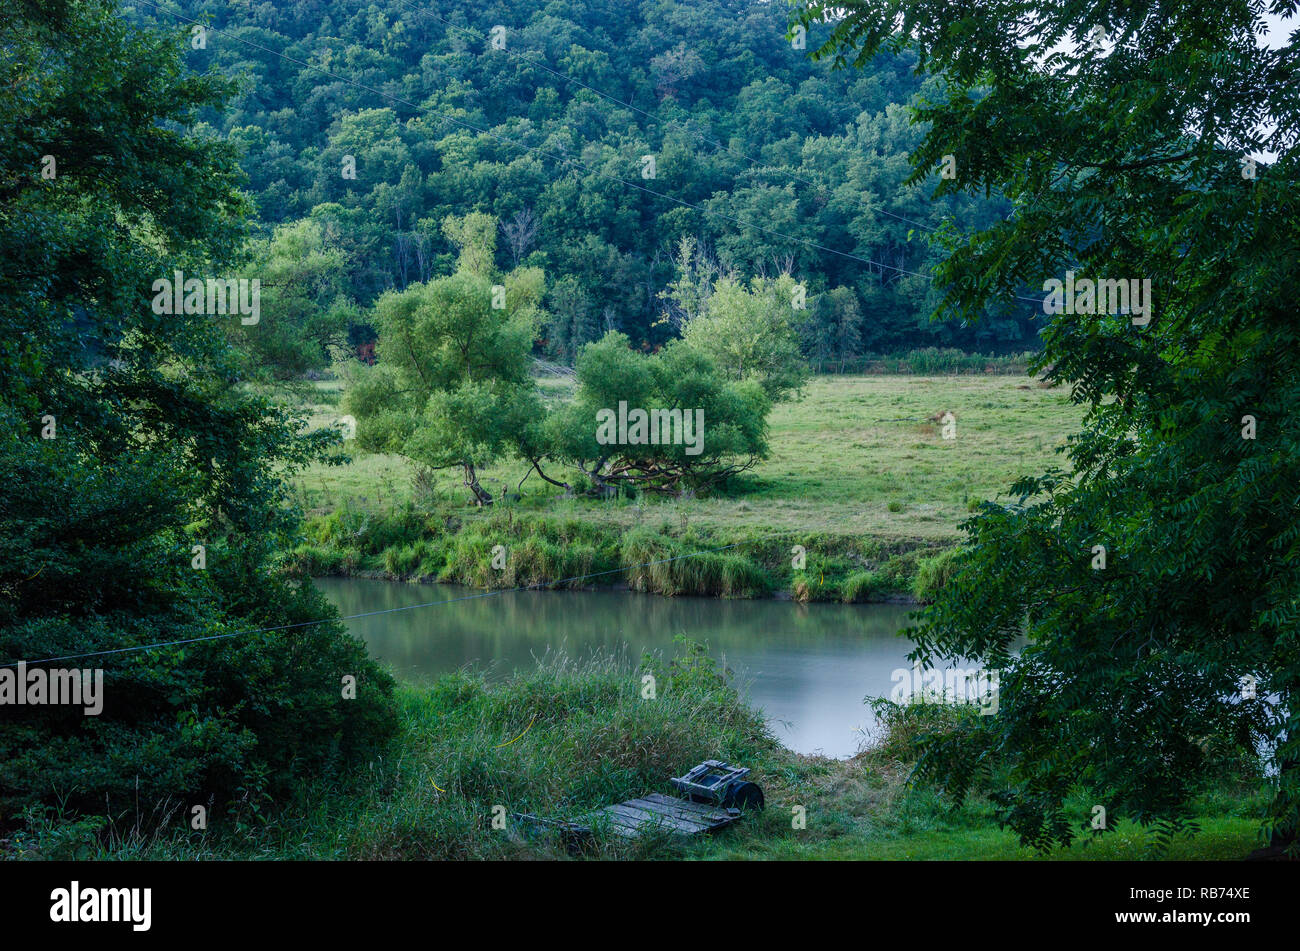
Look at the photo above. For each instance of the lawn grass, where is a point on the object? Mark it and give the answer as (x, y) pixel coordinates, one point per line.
(1219, 839)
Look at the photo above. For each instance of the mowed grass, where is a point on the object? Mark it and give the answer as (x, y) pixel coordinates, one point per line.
(854, 455)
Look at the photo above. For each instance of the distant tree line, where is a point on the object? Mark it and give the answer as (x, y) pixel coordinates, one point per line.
(362, 128)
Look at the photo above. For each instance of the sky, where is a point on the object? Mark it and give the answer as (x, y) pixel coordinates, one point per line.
(1278, 29)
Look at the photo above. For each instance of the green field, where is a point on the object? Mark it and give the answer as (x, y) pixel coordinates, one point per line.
(854, 455)
(859, 473)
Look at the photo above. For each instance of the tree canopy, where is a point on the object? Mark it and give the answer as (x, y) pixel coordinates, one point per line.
(379, 121)
(1155, 581)
(452, 386)
(141, 488)
(697, 427)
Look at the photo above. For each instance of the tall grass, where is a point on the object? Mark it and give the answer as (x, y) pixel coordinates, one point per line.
(558, 742)
(504, 552)
(662, 565)
(933, 573)
(507, 550)
(863, 586)
(929, 361)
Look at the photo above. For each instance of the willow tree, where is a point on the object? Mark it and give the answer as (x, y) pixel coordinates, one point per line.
(667, 422)
(452, 387)
(1156, 579)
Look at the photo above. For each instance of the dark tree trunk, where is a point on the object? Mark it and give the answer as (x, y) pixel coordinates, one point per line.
(481, 495)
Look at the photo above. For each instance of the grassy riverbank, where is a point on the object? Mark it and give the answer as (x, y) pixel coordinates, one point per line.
(562, 740)
(859, 476)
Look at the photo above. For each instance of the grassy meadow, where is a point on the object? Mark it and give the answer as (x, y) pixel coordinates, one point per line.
(859, 474)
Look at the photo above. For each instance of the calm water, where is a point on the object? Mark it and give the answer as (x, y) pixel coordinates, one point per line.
(808, 667)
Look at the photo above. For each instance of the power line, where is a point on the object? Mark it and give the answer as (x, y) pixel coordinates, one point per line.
(560, 158)
(353, 617)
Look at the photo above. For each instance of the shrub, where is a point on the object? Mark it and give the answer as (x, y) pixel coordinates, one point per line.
(240, 718)
(862, 586)
(933, 573)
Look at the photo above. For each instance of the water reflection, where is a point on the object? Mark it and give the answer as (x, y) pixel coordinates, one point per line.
(808, 667)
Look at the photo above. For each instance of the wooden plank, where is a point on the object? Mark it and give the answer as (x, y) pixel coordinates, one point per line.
(702, 812)
(685, 804)
(621, 825)
(688, 817)
(672, 812)
(647, 819)
(653, 812)
(685, 823)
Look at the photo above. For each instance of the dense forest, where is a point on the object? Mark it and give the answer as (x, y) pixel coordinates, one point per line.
(450, 186)
(598, 135)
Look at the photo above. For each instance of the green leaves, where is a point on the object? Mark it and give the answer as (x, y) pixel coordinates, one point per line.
(1124, 161)
(158, 446)
(750, 333)
(452, 385)
(679, 379)
(441, 125)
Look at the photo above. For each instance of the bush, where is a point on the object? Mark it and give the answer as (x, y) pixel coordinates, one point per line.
(932, 574)
(675, 379)
(903, 728)
(935, 360)
(237, 719)
(863, 586)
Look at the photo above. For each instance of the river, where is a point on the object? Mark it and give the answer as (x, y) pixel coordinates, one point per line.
(808, 667)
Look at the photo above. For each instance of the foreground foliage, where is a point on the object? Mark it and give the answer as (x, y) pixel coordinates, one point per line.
(1157, 582)
(126, 441)
(570, 737)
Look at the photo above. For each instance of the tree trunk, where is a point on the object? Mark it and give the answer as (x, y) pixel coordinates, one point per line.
(537, 465)
(481, 495)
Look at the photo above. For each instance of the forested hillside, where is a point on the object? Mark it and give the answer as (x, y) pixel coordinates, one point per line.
(363, 125)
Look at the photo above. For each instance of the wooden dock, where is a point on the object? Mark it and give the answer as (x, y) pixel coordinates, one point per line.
(659, 813)
(655, 813)
(646, 815)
